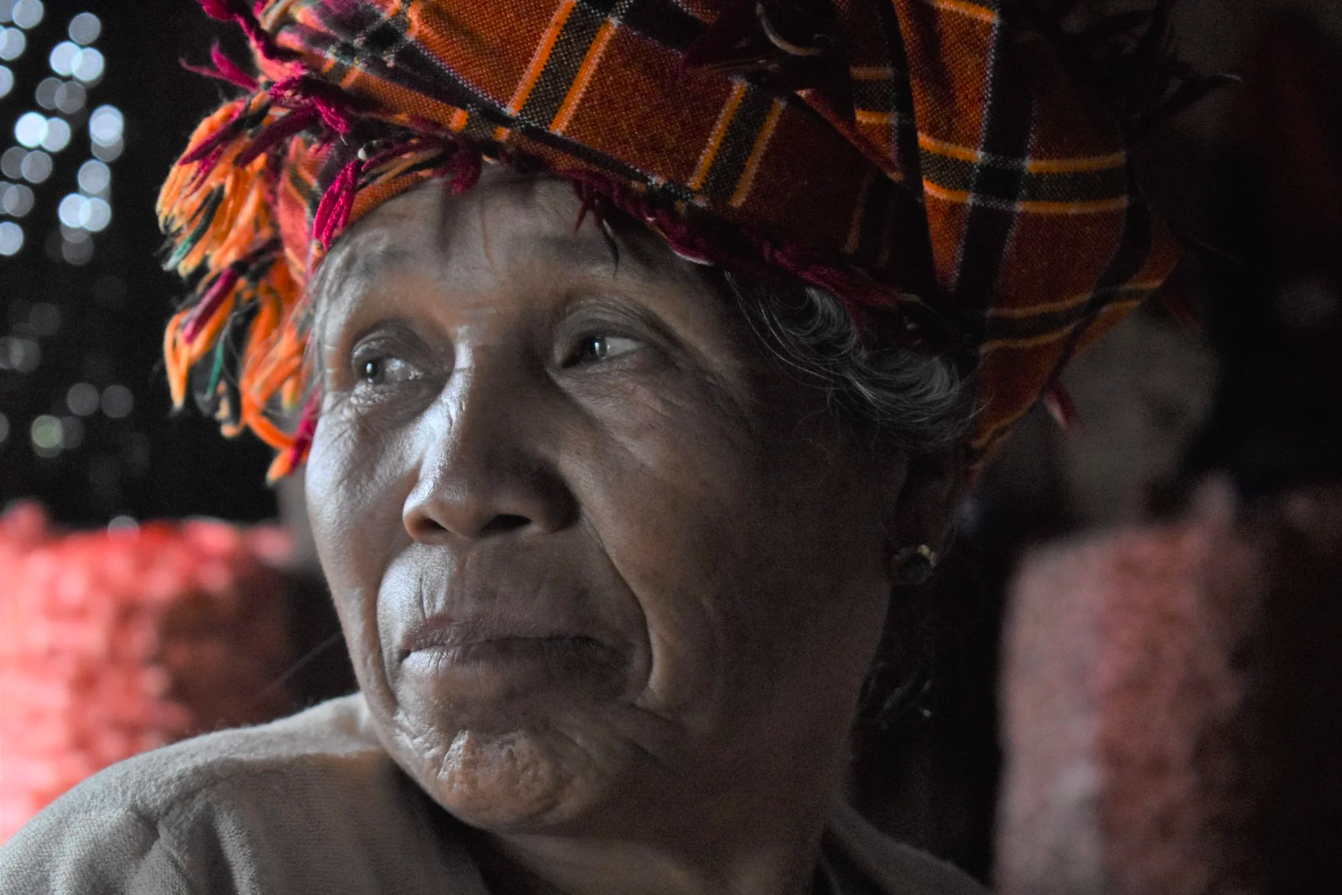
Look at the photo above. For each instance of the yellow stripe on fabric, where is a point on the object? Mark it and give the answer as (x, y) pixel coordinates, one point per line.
(971, 10)
(756, 154)
(1033, 166)
(1029, 342)
(719, 132)
(866, 117)
(541, 56)
(1050, 307)
(871, 72)
(1044, 338)
(585, 70)
(994, 433)
(855, 231)
(962, 197)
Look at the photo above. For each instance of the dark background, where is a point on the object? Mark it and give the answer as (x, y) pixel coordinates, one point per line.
(112, 309)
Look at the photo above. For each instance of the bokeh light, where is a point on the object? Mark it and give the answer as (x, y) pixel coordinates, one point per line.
(48, 436)
(85, 28)
(95, 178)
(117, 402)
(83, 399)
(19, 355)
(58, 135)
(46, 92)
(11, 163)
(44, 319)
(76, 247)
(17, 200)
(71, 97)
(11, 238)
(96, 215)
(12, 44)
(37, 167)
(89, 65)
(28, 13)
(6, 81)
(31, 129)
(63, 57)
(106, 125)
(108, 153)
(81, 212)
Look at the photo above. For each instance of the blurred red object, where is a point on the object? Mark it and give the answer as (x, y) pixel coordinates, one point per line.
(115, 642)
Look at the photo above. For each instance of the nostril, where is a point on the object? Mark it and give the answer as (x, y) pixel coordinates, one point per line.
(504, 523)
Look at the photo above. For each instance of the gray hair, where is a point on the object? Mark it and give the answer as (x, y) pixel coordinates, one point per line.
(917, 403)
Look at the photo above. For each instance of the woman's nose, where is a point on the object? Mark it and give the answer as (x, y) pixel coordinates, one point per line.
(485, 465)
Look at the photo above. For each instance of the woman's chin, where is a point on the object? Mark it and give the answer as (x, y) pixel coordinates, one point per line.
(526, 779)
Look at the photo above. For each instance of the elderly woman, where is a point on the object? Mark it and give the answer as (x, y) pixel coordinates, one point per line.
(638, 352)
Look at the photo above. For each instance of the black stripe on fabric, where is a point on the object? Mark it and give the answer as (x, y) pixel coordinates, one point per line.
(386, 37)
(664, 22)
(875, 216)
(561, 68)
(1055, 321)
(413, 68)
(874, 96)
(1134, 249)
(478, 128)
(947, 173)
(904, 133)
(1008, 117)
(597, 159)
(1009, 183)
(341, 55)
(730, 162)
(1078, 186)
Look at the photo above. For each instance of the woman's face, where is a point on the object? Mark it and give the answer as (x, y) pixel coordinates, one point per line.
(599, 563)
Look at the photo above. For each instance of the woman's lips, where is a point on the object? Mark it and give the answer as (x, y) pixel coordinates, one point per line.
(450, 661)
(447, 634)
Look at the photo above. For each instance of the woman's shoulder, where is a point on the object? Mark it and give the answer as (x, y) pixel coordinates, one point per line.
(327, 740)
(894, 867)
(310, 803)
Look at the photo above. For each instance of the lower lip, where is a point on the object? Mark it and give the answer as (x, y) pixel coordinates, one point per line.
(513, 666)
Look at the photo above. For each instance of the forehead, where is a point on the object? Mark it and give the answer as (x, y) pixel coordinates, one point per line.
(506, 218)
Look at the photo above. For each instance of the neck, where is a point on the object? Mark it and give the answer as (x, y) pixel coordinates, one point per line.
(583, 865)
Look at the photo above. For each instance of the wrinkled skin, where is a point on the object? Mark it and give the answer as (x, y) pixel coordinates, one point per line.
(610, 579)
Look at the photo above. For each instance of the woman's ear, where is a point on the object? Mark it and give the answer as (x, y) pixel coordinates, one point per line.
(924, 505)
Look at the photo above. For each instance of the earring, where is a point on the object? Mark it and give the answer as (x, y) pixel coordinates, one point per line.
(914, 565)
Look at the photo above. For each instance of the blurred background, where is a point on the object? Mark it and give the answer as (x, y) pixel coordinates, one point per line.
(94, 108)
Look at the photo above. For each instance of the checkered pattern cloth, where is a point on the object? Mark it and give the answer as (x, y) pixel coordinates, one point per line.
(928, 161)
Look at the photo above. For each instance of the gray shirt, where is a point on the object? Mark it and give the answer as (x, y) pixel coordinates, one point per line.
(312, 805)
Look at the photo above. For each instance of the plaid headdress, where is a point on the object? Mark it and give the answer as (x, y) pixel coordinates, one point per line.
(929, 162)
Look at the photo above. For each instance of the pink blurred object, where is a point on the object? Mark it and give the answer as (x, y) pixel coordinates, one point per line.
(114, 642)
(1173, 706)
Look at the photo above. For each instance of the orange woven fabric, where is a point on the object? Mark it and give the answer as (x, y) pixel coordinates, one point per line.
(928, 161)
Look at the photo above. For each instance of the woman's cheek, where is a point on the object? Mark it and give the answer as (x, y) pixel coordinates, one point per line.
(356, 518)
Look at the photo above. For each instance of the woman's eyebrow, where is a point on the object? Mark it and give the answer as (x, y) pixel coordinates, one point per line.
(607, 258)
(363, 265)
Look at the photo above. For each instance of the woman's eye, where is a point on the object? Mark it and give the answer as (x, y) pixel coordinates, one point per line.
(384, 370)
(594, 349)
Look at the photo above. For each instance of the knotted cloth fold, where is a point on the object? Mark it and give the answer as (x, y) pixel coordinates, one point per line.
(930, 162)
